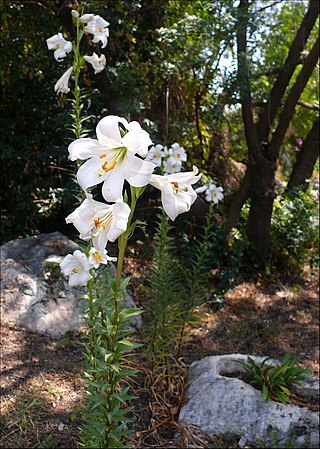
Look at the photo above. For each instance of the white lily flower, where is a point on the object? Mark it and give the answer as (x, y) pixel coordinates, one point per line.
(61, 86)
(99, 221)
(75, 13)
(214, 193)
(112, 157)
(60, 46)
(172, 165)
(201, 189)
(98, 27)
(177, 195)
(178, 152)
(97, 62)
(97, 257)
(77, 267)
(155, 154)
(86, 18)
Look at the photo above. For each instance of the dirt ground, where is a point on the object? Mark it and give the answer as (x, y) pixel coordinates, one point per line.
(41, 378)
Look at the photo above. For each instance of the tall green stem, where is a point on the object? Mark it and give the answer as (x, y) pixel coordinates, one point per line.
(122, 244)
(91, 316)
(77, 62)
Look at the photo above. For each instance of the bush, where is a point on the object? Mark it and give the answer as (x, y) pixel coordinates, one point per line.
(295, 230)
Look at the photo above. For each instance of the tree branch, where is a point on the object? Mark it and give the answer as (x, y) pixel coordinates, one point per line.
(268, 114)
(245, 89)
(292, 100)
(304, 165)
(269, 6)
(312, 107)
(276, 70)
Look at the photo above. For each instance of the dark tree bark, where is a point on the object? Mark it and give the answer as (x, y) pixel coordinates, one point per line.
(304, 165)
(238, 200)
(270, 108)
(291, 102)
(261, 172)
(285, 74)
(263, 179)
(260, 177)
(262, 196)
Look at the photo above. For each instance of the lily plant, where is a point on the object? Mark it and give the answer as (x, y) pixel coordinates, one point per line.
(121, 160)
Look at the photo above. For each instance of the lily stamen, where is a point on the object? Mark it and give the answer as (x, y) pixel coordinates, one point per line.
(101, 223)
(97, 222)
(97, 257)
(111, 163)
(105, 168)
(176, 187)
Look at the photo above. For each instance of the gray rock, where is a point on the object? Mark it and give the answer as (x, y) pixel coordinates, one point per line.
(219, 404)
(34, 296)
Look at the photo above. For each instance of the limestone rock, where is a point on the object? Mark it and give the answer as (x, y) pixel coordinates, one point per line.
(219, 404)
(33, 296)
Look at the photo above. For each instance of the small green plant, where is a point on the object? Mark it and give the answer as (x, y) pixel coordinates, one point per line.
(274, 381)
(165, 292)
(23, 407)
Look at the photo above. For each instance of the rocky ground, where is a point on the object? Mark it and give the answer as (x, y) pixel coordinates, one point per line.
(41, 377)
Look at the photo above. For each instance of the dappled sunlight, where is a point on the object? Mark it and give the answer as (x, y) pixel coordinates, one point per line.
(160, 173)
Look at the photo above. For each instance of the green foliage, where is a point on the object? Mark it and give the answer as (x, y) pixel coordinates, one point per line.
(165, 291)
(178, 283)
(106, 401)
(195, 267)
(274, 381)
(23, 408)
(33, 149)
(295, 230)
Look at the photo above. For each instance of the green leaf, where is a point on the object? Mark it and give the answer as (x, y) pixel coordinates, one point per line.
(285, 390)
(282, 397)
(123, 396)
(124, 283)
(128, 344)
(265, 394)
(127, 313)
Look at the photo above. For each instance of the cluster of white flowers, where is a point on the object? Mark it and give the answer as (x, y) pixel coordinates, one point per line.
(96, 26)
(117, 155)
(213, 193)
(172, 157)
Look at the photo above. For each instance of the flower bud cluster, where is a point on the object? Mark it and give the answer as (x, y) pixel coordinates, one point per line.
(91, 24)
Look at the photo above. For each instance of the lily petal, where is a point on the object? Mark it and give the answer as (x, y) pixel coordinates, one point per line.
(100, 241)
(112, 186)
(83, 216)
(108, 132)
(137, 141)
(137, 171)
(121, 210)
(91, 173)
(81, 279)
(84, 148)
(175, 205)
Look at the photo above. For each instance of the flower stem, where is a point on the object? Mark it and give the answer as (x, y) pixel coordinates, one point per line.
(76, 92)
(91, 316)
(122, 244)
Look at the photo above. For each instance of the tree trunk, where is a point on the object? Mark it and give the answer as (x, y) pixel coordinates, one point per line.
(261, 205)
(238, 200)
(304, 165)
